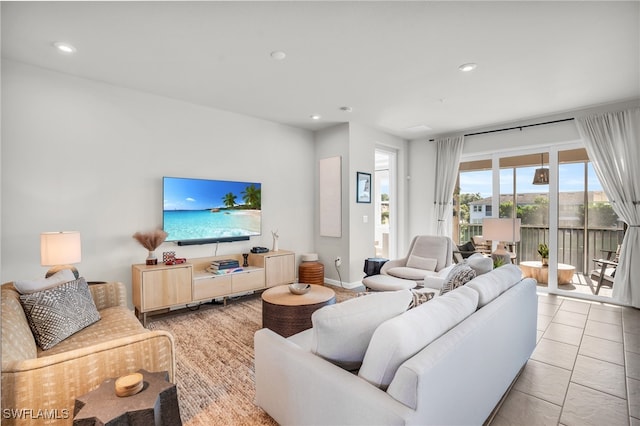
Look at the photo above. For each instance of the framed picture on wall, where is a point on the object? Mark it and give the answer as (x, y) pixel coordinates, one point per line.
(364, 187)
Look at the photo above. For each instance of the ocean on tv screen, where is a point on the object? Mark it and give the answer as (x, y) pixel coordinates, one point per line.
(211, 223)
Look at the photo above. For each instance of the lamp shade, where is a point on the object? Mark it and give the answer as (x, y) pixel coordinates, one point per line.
(60, 248)
(541, 176)
(506, 229)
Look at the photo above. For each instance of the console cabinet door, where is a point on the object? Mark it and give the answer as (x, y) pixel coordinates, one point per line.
(280, 269)
(166, 287)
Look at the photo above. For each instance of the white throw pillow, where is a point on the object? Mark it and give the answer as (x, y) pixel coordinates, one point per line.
(494, 283)
(31, 286)
(341, 332)
(400, 338)
(422, 263)
(480, 263)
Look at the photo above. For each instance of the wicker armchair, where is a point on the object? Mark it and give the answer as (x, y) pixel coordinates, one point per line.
(47, 382)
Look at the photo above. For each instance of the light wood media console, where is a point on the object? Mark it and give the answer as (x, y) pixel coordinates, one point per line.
(162, 287)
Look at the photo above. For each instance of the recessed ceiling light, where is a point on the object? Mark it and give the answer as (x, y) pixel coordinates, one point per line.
(64, 47)
(418, 128)
(278, 55)
(467, 67)
(346, 109)
(315, 117)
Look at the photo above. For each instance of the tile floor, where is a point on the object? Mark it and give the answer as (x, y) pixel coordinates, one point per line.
(584, 371)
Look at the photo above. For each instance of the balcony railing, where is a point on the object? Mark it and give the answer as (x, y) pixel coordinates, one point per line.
(571, 243)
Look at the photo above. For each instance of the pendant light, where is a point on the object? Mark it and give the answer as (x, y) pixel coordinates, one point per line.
(541, 175)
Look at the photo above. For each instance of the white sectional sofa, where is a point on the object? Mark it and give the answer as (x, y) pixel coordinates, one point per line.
(448, 361)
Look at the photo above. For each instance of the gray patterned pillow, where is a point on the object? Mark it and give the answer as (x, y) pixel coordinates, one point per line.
(459, 275)
(420, 296)
(56, 313)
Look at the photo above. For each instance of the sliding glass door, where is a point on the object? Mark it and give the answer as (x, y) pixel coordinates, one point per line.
(568, 213)
(520, 198)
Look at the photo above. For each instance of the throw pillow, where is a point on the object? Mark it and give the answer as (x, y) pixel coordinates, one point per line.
(468, 247)
(418, 262)
(459, 276)
(56, 313)
(420, 296)
(341, 332)
(479, 263)
(30, 286)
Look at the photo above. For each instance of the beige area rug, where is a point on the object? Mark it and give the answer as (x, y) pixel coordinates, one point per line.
(214, 357)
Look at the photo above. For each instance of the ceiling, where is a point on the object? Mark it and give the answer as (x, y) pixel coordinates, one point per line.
(394, 63)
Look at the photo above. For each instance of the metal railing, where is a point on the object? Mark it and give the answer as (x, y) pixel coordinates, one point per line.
(573, 249)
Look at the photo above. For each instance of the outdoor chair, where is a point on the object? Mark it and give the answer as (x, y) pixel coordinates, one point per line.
(605, 269)
(481, 245)
(466, 250)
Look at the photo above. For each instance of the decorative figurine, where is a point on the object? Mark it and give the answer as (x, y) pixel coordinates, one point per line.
(275, 240)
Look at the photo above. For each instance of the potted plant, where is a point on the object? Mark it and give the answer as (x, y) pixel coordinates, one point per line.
(543, 251)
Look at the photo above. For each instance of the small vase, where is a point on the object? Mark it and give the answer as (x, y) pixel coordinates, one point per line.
(545, 261)
(152, 259)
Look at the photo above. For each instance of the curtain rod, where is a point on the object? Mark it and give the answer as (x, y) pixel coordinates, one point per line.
(515, 127)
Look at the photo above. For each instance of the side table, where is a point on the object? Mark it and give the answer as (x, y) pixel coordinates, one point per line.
(287, 313)
(536, 270)
(155, 405)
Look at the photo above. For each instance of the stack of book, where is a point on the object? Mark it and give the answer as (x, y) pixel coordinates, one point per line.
(224, 264)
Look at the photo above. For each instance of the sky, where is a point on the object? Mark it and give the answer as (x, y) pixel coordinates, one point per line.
(571, 178)
(200, 194)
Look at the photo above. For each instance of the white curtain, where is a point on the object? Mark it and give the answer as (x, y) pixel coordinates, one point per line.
(613, 144)
(448, 151)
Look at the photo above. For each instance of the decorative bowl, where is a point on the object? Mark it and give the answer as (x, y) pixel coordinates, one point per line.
(299, 288)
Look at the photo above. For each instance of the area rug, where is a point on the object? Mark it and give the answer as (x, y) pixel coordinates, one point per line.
(214, 361)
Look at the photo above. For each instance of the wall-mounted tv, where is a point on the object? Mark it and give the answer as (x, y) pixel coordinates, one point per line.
(201, 211)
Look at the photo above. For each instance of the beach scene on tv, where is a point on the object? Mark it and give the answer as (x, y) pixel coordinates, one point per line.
(201, 208)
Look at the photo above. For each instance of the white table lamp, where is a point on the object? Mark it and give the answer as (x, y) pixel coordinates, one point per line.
(501, 230)
(60, 250)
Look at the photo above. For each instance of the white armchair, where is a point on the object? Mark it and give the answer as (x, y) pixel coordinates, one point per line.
(427, 256)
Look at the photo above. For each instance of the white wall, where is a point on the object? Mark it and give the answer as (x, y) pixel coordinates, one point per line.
(363, 143)
(421, 189)
(538, 136)
(86, 156)
(334, 142)
(355, 144)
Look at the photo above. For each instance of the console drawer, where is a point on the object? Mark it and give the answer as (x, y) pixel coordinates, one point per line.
(211, 287)
(249, 280)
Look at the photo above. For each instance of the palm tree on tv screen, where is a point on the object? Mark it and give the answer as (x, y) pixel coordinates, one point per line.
(229, 199)
(252, 196)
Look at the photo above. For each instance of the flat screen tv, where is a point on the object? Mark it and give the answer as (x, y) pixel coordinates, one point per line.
(201, 211)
